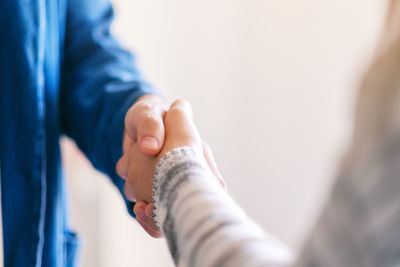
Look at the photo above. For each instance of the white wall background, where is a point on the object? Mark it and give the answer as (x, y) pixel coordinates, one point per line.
(272, 84)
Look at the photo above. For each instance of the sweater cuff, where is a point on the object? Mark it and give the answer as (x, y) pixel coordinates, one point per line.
(177, 162)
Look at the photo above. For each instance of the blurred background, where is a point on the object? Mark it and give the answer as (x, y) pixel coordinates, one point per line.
(272, 84)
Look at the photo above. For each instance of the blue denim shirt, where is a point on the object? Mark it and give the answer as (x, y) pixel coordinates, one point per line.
(61, 72)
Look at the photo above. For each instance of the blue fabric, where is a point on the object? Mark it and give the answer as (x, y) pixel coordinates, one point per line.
(61, 72)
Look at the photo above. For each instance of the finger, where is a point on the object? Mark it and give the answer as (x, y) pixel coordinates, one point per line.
(144, 103)
(129, 191)
(149, 231)
(184, 107)
(146, 223)
(150, 132)
(149, 226)
(123, 163)
(180, 129)
(149, 210)
(144, 123)
(148, 220)
(126, 143)
(141, 174)
(123, 166)
(139, 207)
(139, 212)
(150, 217)
(180, 117)
(208, 155)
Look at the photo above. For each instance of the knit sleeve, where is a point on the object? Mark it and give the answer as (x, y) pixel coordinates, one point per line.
(202, 224)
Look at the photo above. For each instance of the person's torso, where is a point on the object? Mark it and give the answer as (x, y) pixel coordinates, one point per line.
(32, 40)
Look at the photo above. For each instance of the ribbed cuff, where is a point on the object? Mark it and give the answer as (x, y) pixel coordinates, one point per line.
(185, 157)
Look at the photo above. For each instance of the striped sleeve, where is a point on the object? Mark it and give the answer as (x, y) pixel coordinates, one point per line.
(202, 224)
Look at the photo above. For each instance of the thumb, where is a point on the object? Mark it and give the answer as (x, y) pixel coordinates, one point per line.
(144, 125)
(150, 132)
(180, 129)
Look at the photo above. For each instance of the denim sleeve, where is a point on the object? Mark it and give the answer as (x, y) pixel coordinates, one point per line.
(99, 82)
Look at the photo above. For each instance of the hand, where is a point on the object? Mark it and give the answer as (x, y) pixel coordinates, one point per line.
(144, 132)
(180, 131)
(144, 211)
(143, 123)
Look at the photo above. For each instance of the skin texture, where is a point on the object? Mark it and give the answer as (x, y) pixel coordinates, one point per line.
(171, 129)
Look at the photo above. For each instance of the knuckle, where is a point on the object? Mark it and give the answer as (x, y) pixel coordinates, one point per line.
(144, 106)
(120, 169)
(137, 110)
(150, 120)
(128, 192)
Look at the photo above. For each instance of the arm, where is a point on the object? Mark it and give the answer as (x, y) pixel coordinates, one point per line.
(203, 225)
(99, 85)
(358, 227)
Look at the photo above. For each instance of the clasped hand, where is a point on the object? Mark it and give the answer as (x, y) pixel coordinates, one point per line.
(151, 130)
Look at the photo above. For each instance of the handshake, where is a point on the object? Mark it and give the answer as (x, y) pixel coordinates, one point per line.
(151, 130)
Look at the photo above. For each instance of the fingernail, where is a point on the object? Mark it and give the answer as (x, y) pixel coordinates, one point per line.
(149, 142)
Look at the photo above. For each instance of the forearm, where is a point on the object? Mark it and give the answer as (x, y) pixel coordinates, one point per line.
(203, 225)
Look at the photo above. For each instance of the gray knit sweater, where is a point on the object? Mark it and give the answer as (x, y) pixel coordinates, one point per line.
(202, 224)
